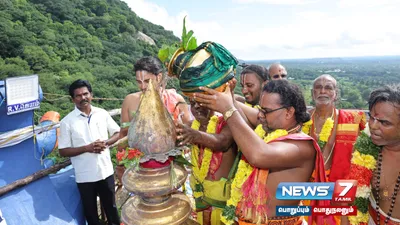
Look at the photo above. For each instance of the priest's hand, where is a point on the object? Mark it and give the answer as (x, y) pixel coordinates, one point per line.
(214, 100)
(186, 135)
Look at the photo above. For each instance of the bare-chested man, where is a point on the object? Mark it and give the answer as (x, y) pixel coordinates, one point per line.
(214, 150)
(285, 155)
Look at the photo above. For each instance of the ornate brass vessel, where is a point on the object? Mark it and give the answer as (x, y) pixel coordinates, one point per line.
(156, 200)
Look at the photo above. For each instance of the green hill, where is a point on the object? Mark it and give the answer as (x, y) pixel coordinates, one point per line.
(65, 40)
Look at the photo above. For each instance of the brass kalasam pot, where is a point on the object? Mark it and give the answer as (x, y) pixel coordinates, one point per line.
(151, 182)
(169, 210)
(152, 129)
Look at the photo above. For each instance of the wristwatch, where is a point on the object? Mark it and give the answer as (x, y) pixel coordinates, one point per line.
(229, 113)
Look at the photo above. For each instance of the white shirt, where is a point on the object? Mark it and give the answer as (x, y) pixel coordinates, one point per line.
(78, 129)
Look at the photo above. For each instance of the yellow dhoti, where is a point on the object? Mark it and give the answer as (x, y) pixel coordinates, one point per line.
(209, 207)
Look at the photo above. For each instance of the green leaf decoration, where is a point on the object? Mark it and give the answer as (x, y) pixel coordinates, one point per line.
(184, 36)
(229, 212)
(365, 145)
(362, 204)
(182, 161)
(192, 44)
(188, 42)
(163, 53)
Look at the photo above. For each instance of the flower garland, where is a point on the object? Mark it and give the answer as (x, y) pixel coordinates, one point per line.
(250, 105)
(200, 172)
(243, 172)
(362, 165)
(326, 130)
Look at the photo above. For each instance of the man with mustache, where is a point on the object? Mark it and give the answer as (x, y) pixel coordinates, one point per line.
(85, 134)
(335, 130)
(340, 127)
(383, 145)
(284, 154)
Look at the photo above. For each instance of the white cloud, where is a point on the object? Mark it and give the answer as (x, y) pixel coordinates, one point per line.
(365, 3)
(307, 33)
(159, 15)
(278, 2)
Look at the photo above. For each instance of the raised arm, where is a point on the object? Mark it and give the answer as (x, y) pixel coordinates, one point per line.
(248, 112)
(262, 155)
(256, 151)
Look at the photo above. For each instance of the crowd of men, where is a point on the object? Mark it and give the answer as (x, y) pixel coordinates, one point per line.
(270, 132)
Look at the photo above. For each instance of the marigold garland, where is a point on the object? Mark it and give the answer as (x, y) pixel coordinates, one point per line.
(200, 172)
(243, 172)
(363, 163)
(325, 131)
(250, 105)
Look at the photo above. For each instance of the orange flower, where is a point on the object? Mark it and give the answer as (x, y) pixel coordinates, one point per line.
(133, 153)
(121, 155)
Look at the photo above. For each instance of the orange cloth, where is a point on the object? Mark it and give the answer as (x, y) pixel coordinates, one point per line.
(170, 99)
(319, 177)
(372, 213)
(350, 123)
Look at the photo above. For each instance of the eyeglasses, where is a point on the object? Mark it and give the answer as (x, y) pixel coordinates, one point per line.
(265, 112)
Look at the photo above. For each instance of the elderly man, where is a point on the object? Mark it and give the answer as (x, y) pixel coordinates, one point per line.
(277, 72)
(383, 146)
(335, 130)
(284, 155)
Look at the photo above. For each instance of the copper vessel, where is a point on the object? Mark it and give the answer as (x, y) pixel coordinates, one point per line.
(156, 200)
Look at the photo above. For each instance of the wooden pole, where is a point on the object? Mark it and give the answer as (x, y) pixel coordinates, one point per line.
(35, 176)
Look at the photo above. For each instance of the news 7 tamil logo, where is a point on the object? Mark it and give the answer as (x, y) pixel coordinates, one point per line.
(340, 191)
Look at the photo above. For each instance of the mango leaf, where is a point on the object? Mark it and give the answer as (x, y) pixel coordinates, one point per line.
(164, 53)
(192, 44)
(184, 37)
(182, 161)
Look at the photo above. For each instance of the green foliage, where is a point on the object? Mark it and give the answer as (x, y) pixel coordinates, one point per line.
(356, 77)
(189, 42)
(65, 40)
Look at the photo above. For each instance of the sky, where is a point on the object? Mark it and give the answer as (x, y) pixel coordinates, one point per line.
(283, 29)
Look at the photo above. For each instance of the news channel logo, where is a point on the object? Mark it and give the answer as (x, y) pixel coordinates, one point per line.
(343, 191)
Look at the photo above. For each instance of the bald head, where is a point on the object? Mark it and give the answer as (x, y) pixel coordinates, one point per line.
(277, 72)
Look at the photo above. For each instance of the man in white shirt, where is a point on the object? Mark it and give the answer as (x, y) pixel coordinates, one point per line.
(85, 134)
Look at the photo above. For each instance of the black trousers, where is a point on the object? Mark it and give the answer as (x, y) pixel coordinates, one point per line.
(105, 189)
